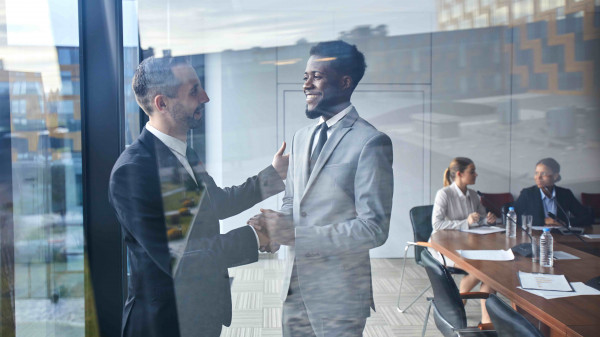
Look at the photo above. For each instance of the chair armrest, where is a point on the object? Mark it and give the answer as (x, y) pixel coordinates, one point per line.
(419, 243)
(486, 326)
(475, 332)
(474, 295)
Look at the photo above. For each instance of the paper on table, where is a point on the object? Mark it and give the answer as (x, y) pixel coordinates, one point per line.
(484, 230)
(488, 255)
(540, 281)
(560, 255)
(541, 228)
(591, 236)
(579, 287)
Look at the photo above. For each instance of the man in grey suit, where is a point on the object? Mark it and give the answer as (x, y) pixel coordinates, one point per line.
(337, 202)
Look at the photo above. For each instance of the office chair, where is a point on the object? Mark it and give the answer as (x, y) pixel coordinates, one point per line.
(420, 219)
(592, 201)
(508, 322)
(492, 200)
(448, 309)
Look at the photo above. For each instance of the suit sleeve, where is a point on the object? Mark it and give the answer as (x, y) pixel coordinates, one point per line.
(581, 215)
(373, 187)
(229, 201)
(138, 204)
(288, 197)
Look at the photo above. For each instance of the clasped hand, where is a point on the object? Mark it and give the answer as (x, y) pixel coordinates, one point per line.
(273, 229)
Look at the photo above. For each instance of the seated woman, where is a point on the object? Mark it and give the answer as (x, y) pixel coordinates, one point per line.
(544, 197)
(457, 207)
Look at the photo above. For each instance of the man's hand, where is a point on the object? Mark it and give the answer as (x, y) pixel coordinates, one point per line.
(278, 226)
(551, 222)
(265, 242)
(281, 162)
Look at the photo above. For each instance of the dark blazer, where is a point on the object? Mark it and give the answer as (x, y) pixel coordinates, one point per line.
(160, 304)
(530, 202)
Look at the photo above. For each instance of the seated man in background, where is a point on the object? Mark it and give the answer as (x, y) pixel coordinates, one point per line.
(546, 197)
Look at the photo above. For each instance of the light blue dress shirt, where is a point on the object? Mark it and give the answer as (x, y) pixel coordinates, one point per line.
(549, 203)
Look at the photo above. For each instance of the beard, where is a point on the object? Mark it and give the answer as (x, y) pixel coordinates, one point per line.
(188, 118)
(313, 114)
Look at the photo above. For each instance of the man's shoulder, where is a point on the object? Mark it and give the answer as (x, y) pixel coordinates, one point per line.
(530, 191)
(135, 154)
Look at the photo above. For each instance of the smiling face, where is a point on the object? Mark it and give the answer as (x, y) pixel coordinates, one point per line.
(544, 176)
(323, 88)
(188, 106)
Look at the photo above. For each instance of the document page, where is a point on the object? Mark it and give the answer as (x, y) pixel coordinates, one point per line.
(560, 255)
(484, 230)
(540, 281)
(488, 255)
(579, 287)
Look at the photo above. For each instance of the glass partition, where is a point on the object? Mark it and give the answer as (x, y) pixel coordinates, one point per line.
(43, 259)
(505, 83)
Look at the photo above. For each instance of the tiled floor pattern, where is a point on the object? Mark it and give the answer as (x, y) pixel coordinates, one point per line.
(257, 306)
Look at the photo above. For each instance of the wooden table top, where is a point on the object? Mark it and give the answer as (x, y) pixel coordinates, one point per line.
(567, 315)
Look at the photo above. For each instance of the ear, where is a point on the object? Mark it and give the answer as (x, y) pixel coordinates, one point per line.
(346, 82)
(160, 103)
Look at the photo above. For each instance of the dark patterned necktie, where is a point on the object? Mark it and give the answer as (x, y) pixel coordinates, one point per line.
(194, 160)
(319, 147)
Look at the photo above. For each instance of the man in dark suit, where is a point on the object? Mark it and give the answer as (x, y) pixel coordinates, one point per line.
(169, 209)
(546, 197)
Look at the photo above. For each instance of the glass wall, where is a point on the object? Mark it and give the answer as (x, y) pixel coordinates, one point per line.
(42, 241)
(504, 83)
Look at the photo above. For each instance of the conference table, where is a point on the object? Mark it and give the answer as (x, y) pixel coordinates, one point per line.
(591, 246)
(569, 316)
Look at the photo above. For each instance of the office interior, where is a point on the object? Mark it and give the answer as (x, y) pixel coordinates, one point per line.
(505, 83)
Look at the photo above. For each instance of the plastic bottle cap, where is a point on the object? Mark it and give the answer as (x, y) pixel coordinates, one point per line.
(547, 229)
(511, 208)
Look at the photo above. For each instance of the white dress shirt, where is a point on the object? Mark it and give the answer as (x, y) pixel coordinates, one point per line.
(452, 208)
(178, 148)
(330, 122)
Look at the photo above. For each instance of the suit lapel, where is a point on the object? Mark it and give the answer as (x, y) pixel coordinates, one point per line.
(175, 183)
(305, 159)
(339, 131)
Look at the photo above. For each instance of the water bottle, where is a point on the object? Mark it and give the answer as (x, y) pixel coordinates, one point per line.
(511, 223)
(546, 249)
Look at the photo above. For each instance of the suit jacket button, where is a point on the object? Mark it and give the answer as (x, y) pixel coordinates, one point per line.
(303, 214)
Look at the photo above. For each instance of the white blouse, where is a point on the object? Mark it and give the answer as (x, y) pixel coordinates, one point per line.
(452, 208)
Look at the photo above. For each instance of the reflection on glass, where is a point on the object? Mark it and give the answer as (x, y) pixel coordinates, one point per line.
(505, 83)
(43, 261)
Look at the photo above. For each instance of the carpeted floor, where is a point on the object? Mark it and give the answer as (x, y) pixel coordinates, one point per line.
(257, 307)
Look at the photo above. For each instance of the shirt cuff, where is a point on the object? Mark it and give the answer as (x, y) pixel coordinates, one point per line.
(255, 235)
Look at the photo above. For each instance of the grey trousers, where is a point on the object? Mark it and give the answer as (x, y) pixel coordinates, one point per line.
(297, 321)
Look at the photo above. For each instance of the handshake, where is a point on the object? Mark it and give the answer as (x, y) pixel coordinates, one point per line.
(273, 229)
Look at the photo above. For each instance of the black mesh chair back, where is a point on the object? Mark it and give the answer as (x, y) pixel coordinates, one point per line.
(449, 311)
(420, 218)
(508, 322)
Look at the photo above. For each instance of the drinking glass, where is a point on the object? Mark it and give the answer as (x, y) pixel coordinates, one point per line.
(527, 222)
(535, 249)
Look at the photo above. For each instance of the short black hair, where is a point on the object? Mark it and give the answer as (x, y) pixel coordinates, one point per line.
(552, 164)
(154, 76)
(347, 60)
